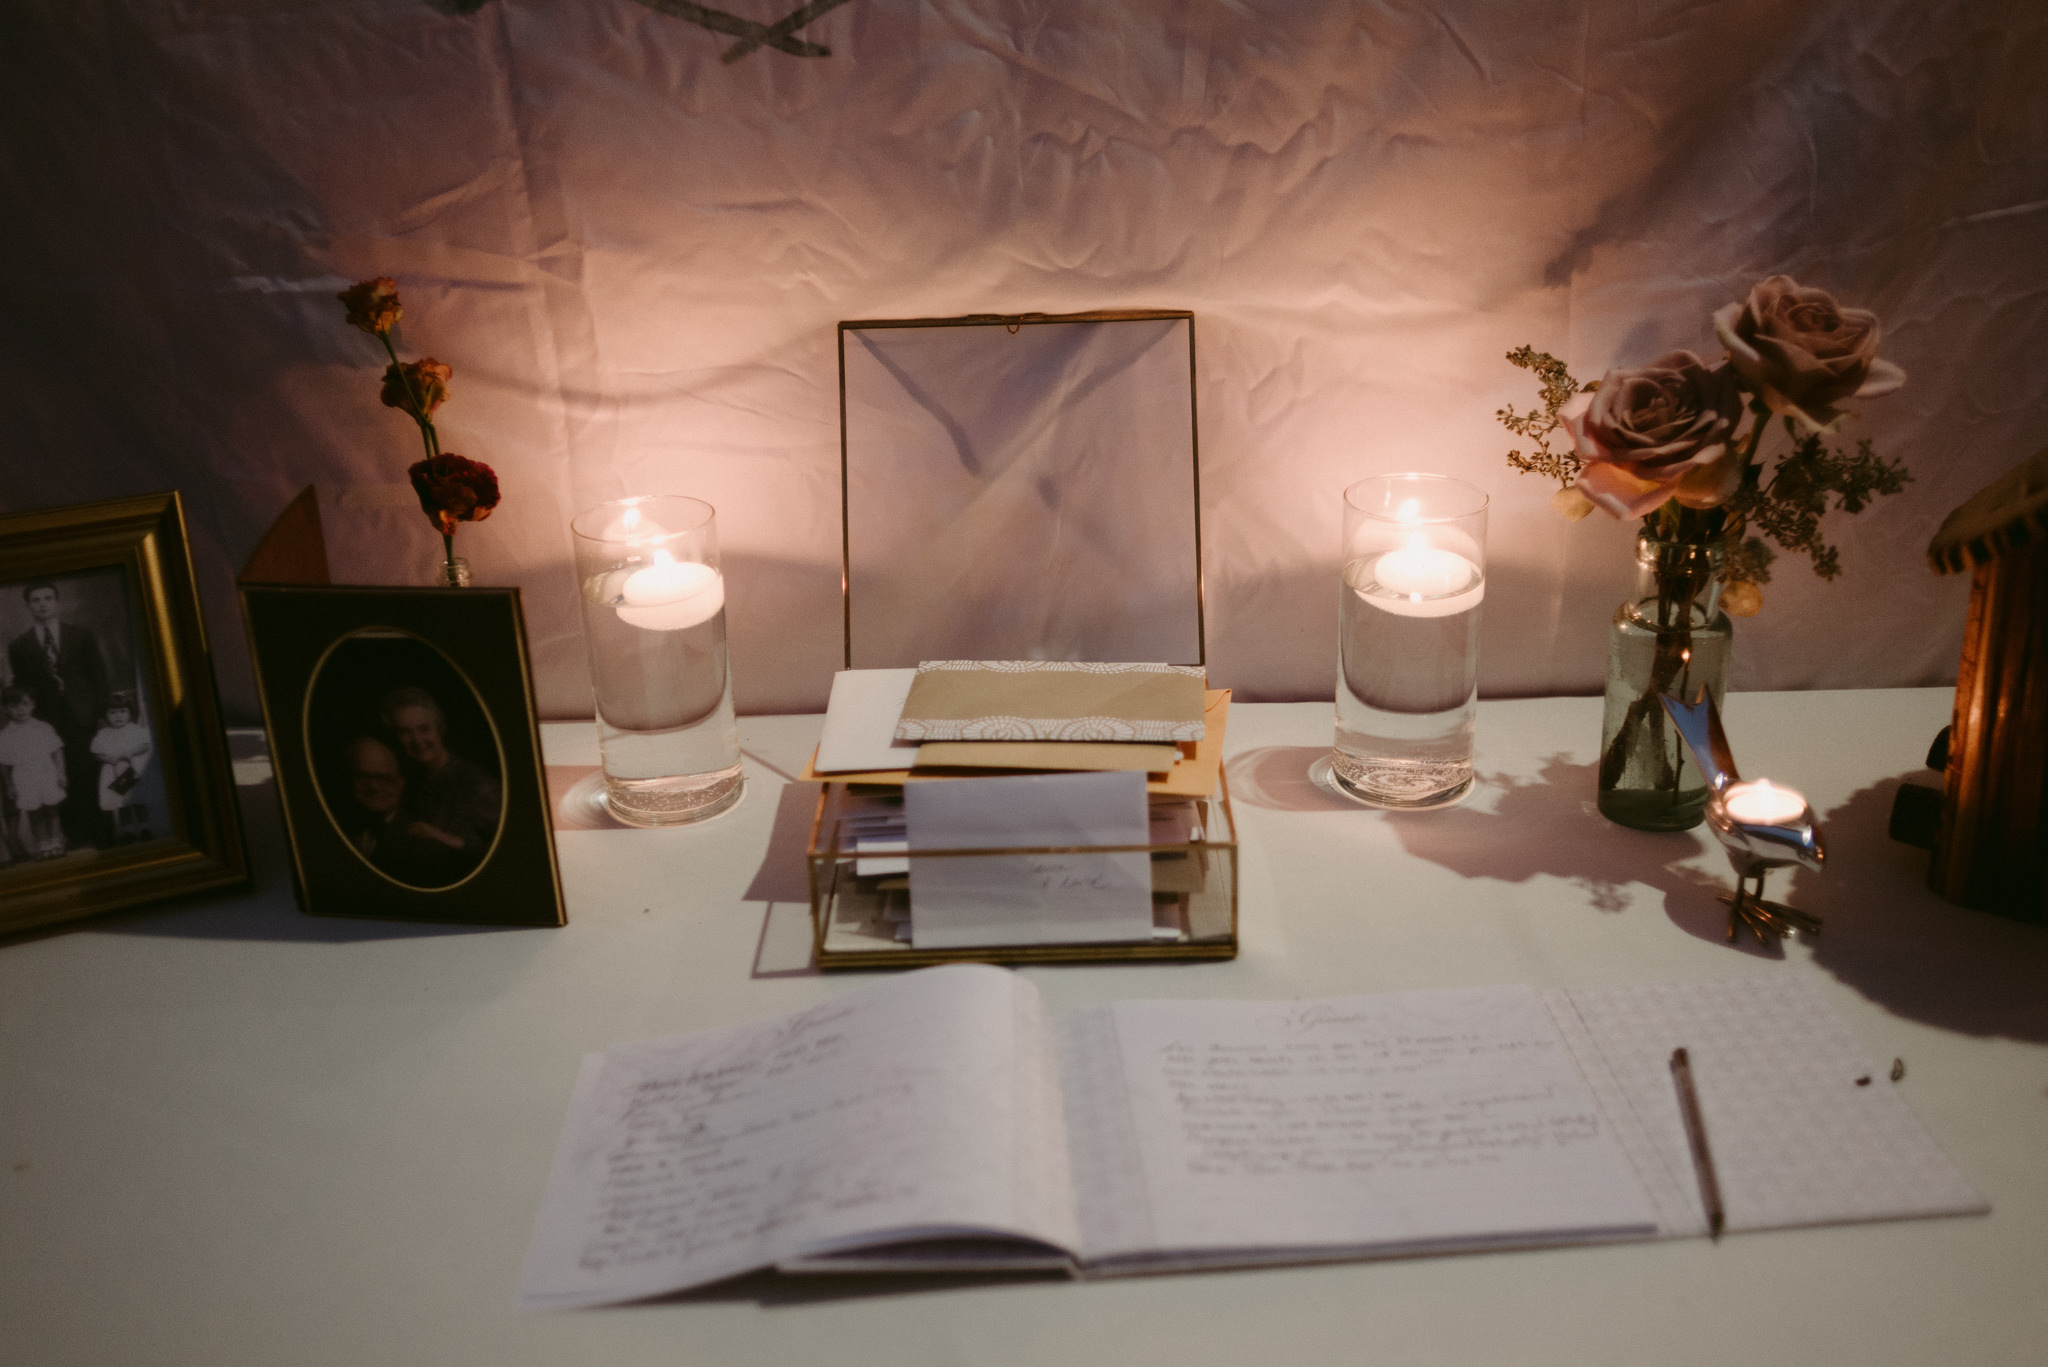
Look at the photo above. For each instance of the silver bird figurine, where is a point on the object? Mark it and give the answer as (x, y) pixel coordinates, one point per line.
(1754, 847)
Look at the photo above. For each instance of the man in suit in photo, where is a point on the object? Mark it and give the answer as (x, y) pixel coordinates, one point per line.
(62, 666)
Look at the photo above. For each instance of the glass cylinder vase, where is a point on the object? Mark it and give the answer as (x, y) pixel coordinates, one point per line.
(1414, 577)
(654, 617)
(1670, 636)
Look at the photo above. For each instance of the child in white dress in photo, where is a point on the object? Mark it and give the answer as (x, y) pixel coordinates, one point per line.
(122, 747)
(32, 766)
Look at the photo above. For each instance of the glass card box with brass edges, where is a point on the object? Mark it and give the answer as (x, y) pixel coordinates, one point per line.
(1021, 487)
(860, 921)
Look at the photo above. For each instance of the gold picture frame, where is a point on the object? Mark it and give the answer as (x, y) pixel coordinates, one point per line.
(406, 745)
(116, 788)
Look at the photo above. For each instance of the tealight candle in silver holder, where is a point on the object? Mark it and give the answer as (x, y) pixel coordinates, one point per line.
(1762, 825)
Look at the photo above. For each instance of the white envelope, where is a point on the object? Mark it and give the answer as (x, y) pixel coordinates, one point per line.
(860, 722)
(1036, 898)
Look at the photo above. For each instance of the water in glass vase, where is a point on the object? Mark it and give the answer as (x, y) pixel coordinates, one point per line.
(1648, 780)
(1670, 636)
(664, 691)
(1408, 673)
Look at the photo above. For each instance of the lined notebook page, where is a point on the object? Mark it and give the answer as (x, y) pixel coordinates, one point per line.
(892, 1108)
(1256, 1131)
(1110, 1206)
(1796, 1139)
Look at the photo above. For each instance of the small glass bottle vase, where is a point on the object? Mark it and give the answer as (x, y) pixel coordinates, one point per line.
(1669, 637)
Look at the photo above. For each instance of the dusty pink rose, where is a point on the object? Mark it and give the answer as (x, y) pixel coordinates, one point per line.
(1803, 353)
(1658, 433)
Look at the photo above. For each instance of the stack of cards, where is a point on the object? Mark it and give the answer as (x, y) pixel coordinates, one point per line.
(1068, 776)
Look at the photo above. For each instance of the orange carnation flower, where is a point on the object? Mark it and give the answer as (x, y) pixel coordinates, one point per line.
(372, 305)
(454, 489)
(422, 382)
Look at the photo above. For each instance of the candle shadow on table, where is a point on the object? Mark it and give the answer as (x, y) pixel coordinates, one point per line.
(1888, 936)
(783, 885)
(1514, 829)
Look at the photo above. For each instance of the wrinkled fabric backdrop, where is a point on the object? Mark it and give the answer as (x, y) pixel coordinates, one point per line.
(634, 253)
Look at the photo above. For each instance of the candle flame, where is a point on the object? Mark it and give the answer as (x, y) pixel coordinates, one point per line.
(664, 558)
(1409, 511)
(632, 519)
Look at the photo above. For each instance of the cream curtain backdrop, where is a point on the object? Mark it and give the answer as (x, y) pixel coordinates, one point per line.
(634, 253)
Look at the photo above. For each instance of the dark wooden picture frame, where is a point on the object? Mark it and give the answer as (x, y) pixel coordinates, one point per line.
(105, 651)
(407, 752)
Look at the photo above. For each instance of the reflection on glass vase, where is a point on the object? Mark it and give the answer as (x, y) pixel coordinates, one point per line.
(1669, 637)
(451, 573)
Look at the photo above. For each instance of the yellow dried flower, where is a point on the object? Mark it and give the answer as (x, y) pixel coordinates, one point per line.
(1742, 599)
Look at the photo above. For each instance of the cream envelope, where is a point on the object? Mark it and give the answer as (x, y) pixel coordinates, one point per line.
(1194, 776)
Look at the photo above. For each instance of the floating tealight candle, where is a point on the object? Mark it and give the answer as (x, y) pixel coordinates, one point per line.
(1424, 581)
(669, 594)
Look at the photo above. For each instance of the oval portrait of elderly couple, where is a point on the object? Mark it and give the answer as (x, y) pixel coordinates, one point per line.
(406, 759)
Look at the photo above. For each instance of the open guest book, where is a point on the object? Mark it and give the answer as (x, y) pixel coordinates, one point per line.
(944, 1121)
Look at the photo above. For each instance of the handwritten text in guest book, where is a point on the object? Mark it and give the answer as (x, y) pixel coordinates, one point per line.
(938, 1120)
(1291, 1123)
(708, 1154)
(1306, 1106)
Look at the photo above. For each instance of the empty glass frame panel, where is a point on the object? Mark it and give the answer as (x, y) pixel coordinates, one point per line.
(1021, 489)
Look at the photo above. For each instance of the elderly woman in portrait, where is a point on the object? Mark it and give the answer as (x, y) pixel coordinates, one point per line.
(381, 830)
(448, 799)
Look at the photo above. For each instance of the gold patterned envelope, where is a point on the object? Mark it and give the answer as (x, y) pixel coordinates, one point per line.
(1195, 775)
(1053, 700)
(1067, 755)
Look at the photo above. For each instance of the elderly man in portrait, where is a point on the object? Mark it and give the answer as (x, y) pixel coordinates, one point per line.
(62, 666)
(381, 830)
(447, 798)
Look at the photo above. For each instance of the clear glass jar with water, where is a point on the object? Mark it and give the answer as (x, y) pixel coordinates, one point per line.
(1669, 636)
(654, 615)
(1409, 597)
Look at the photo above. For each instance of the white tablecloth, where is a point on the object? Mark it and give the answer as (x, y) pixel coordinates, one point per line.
(233, 1134)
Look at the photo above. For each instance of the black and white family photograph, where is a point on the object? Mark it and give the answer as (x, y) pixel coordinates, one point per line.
(79, 763)
(405, 758)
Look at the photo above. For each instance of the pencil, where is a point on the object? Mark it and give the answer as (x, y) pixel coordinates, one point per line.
(1696, 1132)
